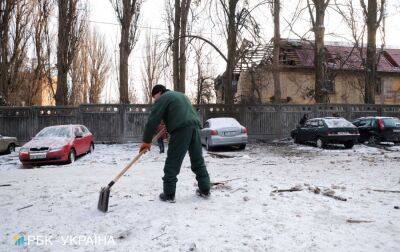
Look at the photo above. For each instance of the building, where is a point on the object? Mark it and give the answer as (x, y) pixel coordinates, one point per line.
(345, 74)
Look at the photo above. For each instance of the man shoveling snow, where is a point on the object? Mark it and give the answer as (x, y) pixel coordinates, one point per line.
(183, 125)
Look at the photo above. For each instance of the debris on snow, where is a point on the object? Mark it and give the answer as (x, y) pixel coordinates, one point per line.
(293, 189)
(358, 221)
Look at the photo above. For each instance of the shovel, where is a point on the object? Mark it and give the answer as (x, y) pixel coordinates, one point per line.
(105, 191)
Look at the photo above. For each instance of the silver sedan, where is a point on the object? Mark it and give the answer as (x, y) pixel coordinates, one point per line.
(223, 131)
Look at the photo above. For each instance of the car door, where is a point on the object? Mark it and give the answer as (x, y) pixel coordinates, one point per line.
(204, 130)
(79, 142)
(312, 131)
(2, 144)
(365, 128)
(86, 139)
(302, 132)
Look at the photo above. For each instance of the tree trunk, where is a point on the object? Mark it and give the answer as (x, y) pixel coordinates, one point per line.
(124, 51)
(5, 14)
(275, 65)
(232, 43)
(182, 45)
(62, 55)
(321, 95)
(371, 61)
(175, 46)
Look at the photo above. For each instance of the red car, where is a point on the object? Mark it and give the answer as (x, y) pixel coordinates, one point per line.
(57, 144)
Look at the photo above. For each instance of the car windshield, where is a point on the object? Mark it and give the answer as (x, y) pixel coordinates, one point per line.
(55, 132)
(224, 122)
(338, 123)
(391, 122)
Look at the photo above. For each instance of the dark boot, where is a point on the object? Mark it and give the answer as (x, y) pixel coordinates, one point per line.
(167, 197)
(203, 194)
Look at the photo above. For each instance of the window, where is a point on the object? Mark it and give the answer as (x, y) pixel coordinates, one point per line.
(206, 125)
(320, 123)
(378, 86)
(77, 131)
(313, 124)
(329, 86)
(84, 130)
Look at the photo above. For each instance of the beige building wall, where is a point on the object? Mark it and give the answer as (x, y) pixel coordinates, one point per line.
(298, 85)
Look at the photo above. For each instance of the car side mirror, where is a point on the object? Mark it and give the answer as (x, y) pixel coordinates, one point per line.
(78, 135)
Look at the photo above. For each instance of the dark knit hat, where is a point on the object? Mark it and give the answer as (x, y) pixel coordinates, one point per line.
(157, 89)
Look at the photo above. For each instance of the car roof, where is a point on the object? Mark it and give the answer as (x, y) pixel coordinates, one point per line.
(375, 117)
(326, 118)
(65, 125)
(221, 118)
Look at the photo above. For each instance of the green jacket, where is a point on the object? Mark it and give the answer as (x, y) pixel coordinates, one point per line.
(176, 111)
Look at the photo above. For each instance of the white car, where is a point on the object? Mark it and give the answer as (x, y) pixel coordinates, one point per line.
(223, 131)
(7, 144)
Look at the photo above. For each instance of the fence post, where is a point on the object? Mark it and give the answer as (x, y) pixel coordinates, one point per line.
(122, 116)
(34, 114)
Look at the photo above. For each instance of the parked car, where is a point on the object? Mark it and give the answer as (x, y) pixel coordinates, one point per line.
(378, 129)
(323, 131)
(7, 144)
(223, 131)
(57, 144)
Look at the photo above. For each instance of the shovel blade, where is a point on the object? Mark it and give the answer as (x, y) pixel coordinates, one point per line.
(103, 199)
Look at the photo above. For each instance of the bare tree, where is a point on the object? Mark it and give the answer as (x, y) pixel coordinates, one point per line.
(237, 18)
(373, 15)
(178, 27)
(79, 74)
(277, 37)
(71, 26)
(152, 65)
(128, 12)
(317, 16)
(99, 66)
(204, 78)
(15, 31)
(42, 12)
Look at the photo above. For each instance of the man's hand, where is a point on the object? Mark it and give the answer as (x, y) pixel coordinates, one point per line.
(145, 147)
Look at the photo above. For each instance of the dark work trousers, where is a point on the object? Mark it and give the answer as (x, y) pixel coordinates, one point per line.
(181, 141)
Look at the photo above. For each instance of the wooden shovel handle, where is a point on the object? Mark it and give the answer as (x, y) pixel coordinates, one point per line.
(135, 159)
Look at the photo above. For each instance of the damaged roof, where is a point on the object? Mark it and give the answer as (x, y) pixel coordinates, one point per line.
(301, 54)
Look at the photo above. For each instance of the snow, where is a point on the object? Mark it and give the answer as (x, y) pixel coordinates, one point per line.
(63, 131)
(338, 123)
(242, 215)
(224, 122)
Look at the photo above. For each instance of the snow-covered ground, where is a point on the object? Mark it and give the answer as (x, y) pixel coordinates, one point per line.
(242, 215)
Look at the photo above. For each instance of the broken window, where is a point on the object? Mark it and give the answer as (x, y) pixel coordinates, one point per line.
(378, 86)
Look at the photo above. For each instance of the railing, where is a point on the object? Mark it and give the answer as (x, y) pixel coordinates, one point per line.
(115, 123)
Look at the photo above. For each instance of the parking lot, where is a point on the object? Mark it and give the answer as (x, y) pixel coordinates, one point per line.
(243, 212)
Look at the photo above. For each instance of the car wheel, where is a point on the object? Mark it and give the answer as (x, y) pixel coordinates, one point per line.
(349, 144)
(91, 148)
(71, 156)
(11, 148)
(242, 146)
(208, 147)
(296, 140)
(320, 143)
(372, 140)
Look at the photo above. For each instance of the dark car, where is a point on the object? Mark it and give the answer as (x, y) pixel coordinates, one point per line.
(378, 129)
(323, 131)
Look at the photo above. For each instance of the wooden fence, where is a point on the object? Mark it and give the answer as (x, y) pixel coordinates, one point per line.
(121, 123)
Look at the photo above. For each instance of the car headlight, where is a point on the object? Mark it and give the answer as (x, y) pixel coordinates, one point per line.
(24, 149)
(56, 148)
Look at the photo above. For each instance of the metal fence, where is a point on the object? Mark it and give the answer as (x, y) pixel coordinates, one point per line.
(121, 123)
